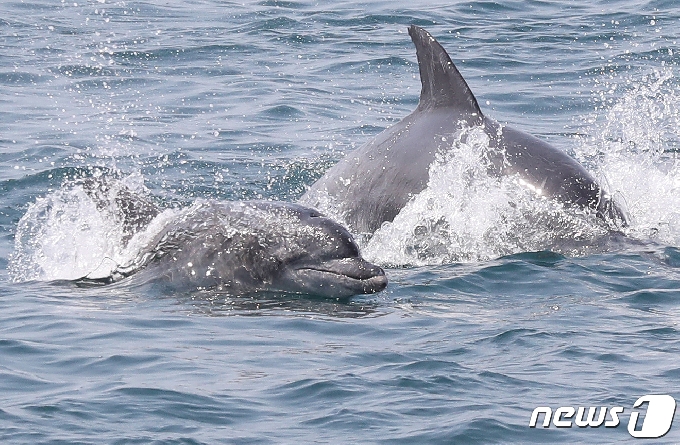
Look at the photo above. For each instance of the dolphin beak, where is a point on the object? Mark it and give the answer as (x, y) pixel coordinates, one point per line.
(343, 277)
(371, 277)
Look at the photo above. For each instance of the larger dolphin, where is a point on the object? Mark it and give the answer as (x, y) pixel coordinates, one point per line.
(372, 184)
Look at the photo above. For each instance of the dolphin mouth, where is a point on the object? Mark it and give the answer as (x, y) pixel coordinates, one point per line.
(344, 277)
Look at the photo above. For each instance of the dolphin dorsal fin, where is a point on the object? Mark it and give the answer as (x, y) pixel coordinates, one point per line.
(443, 86)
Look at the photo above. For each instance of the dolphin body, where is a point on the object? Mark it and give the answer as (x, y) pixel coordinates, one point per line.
(372, 184)
(238, 247)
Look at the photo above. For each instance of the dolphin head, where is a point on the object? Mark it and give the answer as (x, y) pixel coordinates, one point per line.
(251, 246)
(316, 255)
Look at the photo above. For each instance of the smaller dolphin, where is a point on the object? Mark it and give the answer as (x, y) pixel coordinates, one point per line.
(372, 184)
(247, 246)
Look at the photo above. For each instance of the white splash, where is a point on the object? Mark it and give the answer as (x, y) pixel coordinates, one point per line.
(467, 215)
(635, 144)
(63, 236)
(66, 235)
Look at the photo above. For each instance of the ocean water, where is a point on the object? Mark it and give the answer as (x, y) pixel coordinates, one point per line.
(497, 303)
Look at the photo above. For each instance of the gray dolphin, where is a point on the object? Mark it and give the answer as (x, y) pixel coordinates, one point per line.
(241, 247)
(372, 184)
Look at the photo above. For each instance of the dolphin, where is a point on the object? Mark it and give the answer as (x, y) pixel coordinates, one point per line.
(372, 184)
(239, 247)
